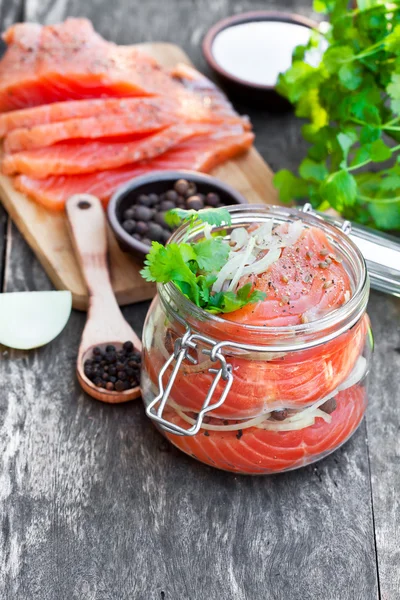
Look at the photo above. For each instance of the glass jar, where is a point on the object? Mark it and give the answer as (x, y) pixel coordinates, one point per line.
(255, 399)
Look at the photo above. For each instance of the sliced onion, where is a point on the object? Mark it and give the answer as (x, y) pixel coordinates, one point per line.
(263, 235)
(358, 372)
(226, 272)
(245, 259)
(234, 427)
(323, 415)
(294, 231)
(207, 231)
(239, 237)
(284, 426)
(262, 265)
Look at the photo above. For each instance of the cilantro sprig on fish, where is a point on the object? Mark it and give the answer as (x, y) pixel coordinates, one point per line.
(194, 266)
(351, 101)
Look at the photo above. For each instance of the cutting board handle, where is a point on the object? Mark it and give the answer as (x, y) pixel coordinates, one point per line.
(88, 231)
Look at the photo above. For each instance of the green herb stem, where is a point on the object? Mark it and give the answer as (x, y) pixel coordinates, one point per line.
(378, 200)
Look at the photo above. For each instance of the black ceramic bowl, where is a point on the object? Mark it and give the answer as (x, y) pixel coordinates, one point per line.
(242, 89)
(158, 182)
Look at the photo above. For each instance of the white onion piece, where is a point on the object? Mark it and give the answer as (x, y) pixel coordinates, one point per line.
(323, 415)
(294, 231)
(245, 259)
(358, 372)
(284, 426)
(33, 319)
(310, 409)
(207, 231)
(239, 237)
(227, 272)
(234, 427)
(262, 265)
(263, 234)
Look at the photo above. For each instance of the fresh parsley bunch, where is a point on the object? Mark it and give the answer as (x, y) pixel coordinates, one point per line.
(194, 266)
(352, 104)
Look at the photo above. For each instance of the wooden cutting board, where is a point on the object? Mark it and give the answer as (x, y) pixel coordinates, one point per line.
(47, 233)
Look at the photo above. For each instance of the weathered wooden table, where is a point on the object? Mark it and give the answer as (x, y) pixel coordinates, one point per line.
(93, 503)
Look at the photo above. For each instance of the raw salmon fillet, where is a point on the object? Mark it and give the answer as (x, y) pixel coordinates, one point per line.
(75, 109)
(88, 156)
(193, 107)
(70, 61)
(201, 154)
(148, 116)
(146, 120)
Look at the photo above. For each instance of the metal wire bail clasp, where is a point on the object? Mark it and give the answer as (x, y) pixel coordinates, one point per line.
(345, 226)
(181, 352)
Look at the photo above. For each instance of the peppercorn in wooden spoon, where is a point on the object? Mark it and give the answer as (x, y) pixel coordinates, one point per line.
(108, 364)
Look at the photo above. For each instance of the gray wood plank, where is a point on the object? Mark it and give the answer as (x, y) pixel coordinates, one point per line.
(383, 425)
(95, 505)
(11, 11)
(3, 235)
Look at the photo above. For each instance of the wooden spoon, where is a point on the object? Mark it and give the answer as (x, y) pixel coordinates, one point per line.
(105, 323)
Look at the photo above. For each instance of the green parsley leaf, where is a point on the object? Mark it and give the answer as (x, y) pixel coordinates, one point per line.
(392, 41)
(346, 139)
(369, 134)
(393, 90)
(336, 56)
(170, 263)
(211, 255)
(340, 190)
(350, 76)
(385, 215)
(289, 185)
(391, 181)
(212, 216)
(310, 169)
(379, 151)
(225, 302)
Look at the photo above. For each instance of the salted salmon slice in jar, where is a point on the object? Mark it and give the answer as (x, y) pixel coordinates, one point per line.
(277, 384)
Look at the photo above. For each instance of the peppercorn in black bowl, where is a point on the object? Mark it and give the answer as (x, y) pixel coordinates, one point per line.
(136, 211)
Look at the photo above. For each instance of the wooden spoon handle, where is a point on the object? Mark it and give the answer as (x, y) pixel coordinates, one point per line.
(88, 230)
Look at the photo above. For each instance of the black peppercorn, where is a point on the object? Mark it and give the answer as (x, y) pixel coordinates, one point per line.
(119, 386)
(111, 370)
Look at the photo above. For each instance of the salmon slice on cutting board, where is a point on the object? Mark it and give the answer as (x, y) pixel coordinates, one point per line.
(85, 156)
(71, 61)
(146, 118)
(194, 108)
(199, 154)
